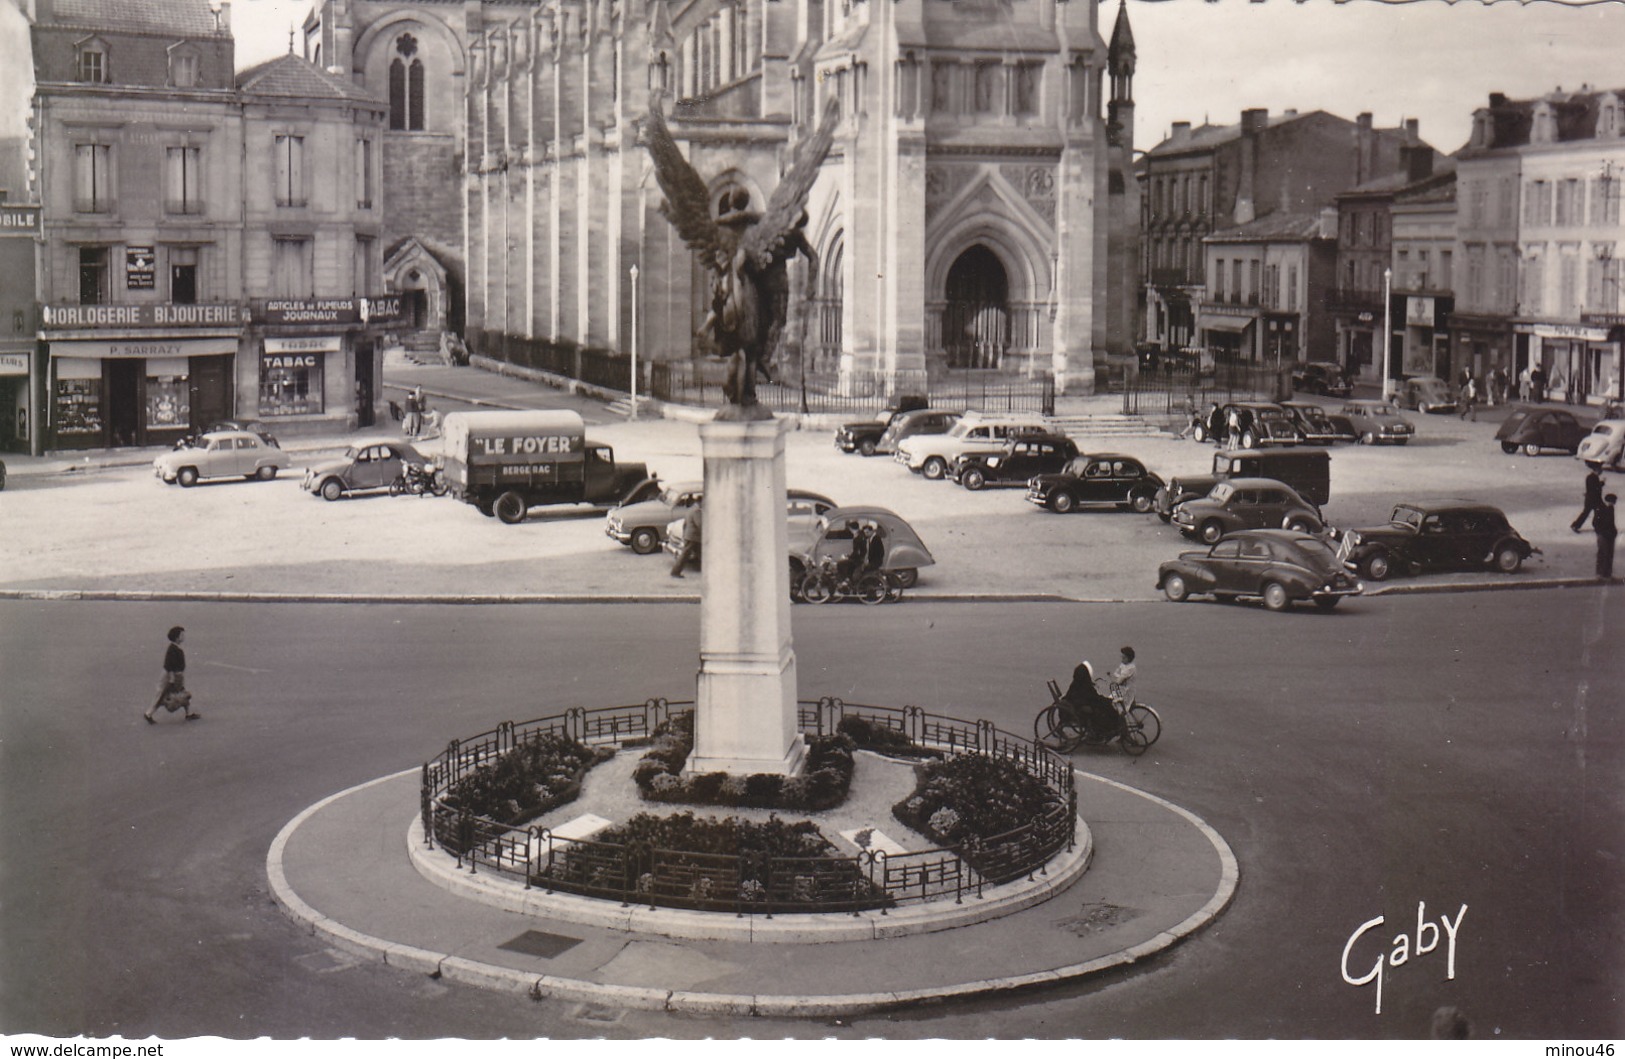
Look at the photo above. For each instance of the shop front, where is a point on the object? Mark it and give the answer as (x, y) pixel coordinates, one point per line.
(136, 375)
(1425, 343)
(1580, 360)
(1232, 338)
(16, 399)
(1483, 344)
(316, 361)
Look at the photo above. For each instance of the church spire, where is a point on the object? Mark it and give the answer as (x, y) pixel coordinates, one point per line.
(1120, 55)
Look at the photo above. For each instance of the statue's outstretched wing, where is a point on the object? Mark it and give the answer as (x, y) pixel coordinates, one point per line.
(766, 239)
(688, 202)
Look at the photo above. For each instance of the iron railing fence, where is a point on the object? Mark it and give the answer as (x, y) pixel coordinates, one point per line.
(747, 883)
(1173, 391)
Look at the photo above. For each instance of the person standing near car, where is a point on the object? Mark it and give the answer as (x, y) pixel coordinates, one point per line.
(1469, 397)
(692, 529)
(173, 682)
(1593, 496)
(1602, 524)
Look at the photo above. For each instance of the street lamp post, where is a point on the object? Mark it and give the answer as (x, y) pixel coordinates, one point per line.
(634, 273)
(1387, 333)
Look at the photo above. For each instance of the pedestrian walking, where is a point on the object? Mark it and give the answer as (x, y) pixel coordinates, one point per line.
(1593, 496)
(1469, 399)
(1526, 383)
(1602, 524)
(1537, 384)
(1498, 386)
(172, 693)
(1191, 417)
(692, 529)
(414, 412)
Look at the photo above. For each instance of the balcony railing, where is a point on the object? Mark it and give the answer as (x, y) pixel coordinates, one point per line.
(1352, 299)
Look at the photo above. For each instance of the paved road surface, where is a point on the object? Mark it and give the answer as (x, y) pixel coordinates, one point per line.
(1447, 750)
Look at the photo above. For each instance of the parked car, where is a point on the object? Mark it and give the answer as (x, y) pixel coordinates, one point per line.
(830, 538)
(1020, 459)
(802, 511)
(1321, 377)
(921, 421)
(1260, 423)
(253, 426)
(1318, 428)
(1374, 422)
(222, 454)
(642, 525)
(1426, 394)
(1247, 503)
(931, 455)
(1433, 536)
(1309, 471)
(365, 467)
(1099, 478)
(864, 436)
(1277, 566)
(1605, 444)
(1533, 429)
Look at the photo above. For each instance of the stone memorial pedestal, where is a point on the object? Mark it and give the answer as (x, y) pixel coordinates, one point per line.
(745, 706)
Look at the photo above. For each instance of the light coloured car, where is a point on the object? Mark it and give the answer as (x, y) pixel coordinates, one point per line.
(1605, 443)
(1374, 423)
(831, 538)
(932, 455)
(1426, 393)
(802, 509)
(221, 454)
(1246, 503)
(365, 466)
(642, 525)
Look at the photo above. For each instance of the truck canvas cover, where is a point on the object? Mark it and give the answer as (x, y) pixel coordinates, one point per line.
(541, 446)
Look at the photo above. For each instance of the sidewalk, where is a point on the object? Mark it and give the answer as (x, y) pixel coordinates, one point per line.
(342, 868)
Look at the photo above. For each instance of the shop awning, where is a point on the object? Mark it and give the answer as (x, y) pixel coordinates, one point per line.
(1234, 325)
(146, 347)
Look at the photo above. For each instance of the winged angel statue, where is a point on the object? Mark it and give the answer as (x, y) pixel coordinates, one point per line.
(746, 253)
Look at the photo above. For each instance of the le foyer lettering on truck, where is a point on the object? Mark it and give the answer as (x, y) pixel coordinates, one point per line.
(526, 445)
(1427, 939)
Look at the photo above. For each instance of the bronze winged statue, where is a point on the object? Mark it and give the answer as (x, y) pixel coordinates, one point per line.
(746, 253)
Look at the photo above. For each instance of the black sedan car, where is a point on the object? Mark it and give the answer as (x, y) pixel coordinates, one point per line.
(1277, 566)
(1020, 459)
(1246, 503)
(1101, 478)
(863, 437)
(1322, 377)
(1256, 424)
(1318, 427)
(1457, 534)
(1534, 429)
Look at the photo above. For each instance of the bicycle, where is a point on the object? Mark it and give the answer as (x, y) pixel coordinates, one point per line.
(827, 583)
(1057, 725)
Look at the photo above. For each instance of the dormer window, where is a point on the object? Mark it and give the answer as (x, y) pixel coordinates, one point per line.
(1545, 125)
(91, 62)
(1608, 117)
(183, 66)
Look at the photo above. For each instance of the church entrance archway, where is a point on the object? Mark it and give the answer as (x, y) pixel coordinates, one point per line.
(976, 316)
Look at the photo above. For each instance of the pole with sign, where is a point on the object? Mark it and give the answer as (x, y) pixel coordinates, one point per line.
(634, 272)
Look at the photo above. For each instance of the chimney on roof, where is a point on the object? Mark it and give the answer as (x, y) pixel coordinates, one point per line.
(1365, 149)
(1254, 120)
(1181, 133)
(1413, 130)
(1418, 161)
(1498, 99)
(1327, 223)
(1290, 113)
(1246, 208)
(222, 17)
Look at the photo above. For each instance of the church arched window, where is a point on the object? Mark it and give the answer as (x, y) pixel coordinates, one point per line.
(406, 85)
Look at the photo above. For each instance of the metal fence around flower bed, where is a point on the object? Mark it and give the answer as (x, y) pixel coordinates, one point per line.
(751, 882)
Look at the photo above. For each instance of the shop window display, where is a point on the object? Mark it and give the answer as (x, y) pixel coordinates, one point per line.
(287, 391)
(78, 397)
(169, 402)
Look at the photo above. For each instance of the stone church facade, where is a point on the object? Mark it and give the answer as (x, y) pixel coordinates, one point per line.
(971, 215)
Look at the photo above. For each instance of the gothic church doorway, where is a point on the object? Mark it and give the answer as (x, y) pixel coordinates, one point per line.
(976, 318)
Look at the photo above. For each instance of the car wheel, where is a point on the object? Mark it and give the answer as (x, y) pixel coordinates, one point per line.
(187, 476)
(1175, 588)
(973, 479)
(1141, 502)
(1299, 525)
(1509, 447)
(1061, 502)
(1508, 559)
(265, 474)
(906, 578)
(645, 541)
(1212, 530)
(1200, 433)
(934, 468)
(1368, 438)
(1275, 597)
(1249, 440)
(511, 507)
(1328, 602)
(332, 489)
(1531, 449)
(1377, 566)
(866, 447)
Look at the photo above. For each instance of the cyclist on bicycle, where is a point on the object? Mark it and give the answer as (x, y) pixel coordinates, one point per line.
(1092, 711)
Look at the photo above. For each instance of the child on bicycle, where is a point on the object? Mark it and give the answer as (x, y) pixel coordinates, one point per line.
(1122, 678)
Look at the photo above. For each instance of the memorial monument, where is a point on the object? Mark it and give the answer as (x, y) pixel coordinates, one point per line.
(745, 703)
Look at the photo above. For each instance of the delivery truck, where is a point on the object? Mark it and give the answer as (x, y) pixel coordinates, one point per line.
(506, 463)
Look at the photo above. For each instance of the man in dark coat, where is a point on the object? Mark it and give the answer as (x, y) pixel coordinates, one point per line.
(1602, 524)
(1593, 497)
(693, 528)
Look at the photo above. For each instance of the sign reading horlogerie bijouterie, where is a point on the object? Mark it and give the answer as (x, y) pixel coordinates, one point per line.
(225, 314)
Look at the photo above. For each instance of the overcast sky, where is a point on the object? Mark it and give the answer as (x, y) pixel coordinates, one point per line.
(1427, 60)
